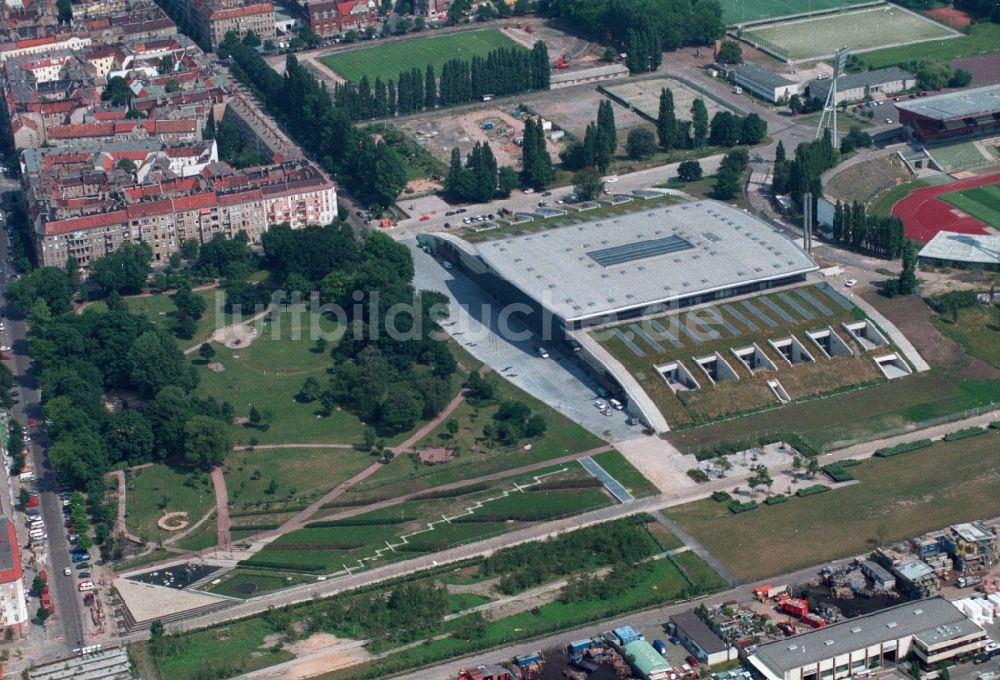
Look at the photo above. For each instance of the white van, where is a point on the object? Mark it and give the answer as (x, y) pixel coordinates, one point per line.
(37, 534)
(85, 586)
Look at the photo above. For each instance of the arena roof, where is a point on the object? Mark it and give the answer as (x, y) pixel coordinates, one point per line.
(951, 246)
(935, 616)
(639, 259)
(952, 105)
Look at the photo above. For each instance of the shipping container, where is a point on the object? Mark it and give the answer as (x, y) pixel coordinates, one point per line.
(813, 621)
(795, 606)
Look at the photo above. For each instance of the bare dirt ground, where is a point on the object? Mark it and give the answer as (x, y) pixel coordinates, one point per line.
(949, 16)
(573, 108)
(912, 316)
(435, 455)
(985, 69)
(319, 653)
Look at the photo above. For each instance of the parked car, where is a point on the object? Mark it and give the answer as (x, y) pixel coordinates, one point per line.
(850, 283)
(693, 661)
(67, 571)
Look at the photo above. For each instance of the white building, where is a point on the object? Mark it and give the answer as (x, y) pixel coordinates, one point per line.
(763, 83)
(854, 87)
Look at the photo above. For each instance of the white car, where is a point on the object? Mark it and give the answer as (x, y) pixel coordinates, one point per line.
(67, 572)
(529, 190)
(850, 283)
(5, 348)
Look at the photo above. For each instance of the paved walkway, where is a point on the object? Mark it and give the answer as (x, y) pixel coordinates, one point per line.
(221, 505)
(120, 526)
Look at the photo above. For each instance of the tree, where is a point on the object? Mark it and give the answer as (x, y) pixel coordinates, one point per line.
(609, 55)
(699, 122)
(187, 303)
(608, 137)
(50, 284)
(960, 78)
(37, 585)
(206, 351)
(155, 362)
(730, 52)
(117, 92)
(812, 466)
(854, 139)
(206, 442)
(797, 465)
(536, 161)
(689, 170)
(908, 277)
(190, 248)
(166, 65)
(125, 270)
(506, 181)
(588, 184)
(725, 129)
(126, 165)
(933, 75)
(753, 129)
(43, 614)
(666, 120)
(641, 143)
(65, 8)
(727, 184)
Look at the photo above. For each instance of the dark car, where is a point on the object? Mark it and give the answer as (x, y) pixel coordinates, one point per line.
(83, 575)
(83, 565)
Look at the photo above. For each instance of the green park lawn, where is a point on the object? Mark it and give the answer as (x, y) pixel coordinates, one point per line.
(977, 329)
(896, 498)
(299, 476)
(222, 652)
(980, 38)
(385, 61)
(626, 474)
(154, 490)
(161, 312)
(983, 203)
(205, 536)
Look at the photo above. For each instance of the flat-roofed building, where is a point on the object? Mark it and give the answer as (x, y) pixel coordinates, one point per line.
(964, 113)
(763, 82)
(703, 643)
(932, 630)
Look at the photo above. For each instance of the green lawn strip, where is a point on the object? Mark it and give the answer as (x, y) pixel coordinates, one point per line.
(883, 203)
(236, 535)
(618, 467)
(385, 61)
(205, 536)
(268, 479)
(221, 652)
(853, 415)
(245, 583)
(895, 498)
(980, 202)
(459, 602)
(699, 572)
(980, 38)
(660, 583)
(977, 330)
(152, 491)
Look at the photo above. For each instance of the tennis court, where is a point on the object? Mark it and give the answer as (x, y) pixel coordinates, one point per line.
(859, 30)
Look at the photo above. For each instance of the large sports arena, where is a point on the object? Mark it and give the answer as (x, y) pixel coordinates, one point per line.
(954, 115)
(607, 270)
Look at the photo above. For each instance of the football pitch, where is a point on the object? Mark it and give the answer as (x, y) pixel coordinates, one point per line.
(387, 61)
(983, 203)
(736, 12)
(859, 30)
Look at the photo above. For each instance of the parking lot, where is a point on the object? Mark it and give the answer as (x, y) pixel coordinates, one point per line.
(559, 381)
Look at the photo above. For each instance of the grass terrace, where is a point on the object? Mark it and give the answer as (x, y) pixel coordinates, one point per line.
(386, 60)
(722, 328)
(896, 498)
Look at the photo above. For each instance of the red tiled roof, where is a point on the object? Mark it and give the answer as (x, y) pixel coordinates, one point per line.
(241, 197)
(246, 11)
(85, 222)
(150, 209)
(80, 130)
(10, 554)
(110, 115)
(175, 126)
(34, 42)
(206, 200)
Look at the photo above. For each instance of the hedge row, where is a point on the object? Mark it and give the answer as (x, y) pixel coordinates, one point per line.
(849, 462)
(775, 499)
(452, 493)
(280, 565)
(721, 497)
(736, 507)
(792, 439)
(902, 448)
(582, 483)
(964, 434)
(812, 490)
(697, 475)
(359, 522)
(837, 473)
(255, 527)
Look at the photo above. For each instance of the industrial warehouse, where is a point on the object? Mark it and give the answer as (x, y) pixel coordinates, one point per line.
(663, 259)
(932, 630)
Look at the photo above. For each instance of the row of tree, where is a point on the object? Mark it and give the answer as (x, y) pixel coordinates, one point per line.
(984, 9)
(880, 236)
(599, 143)
(502, 72)
(369, 169)
(479, 180)
(802, 174)
(725, 129)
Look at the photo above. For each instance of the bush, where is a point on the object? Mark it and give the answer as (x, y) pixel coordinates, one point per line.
(906, 447)
(697, 475)
(736, 507)
(837, 473)
(812, 490)
(721, 497)
(728, 448)
(995, 425)
(689, 171)
(962, 299)
(775, 499)
(963, 434)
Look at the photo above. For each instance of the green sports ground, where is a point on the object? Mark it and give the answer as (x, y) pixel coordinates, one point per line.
(735, 12)
(983, 203)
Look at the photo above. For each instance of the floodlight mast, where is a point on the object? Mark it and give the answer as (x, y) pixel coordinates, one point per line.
(829, 116)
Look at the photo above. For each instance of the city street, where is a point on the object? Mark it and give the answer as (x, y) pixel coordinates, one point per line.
(64, 631)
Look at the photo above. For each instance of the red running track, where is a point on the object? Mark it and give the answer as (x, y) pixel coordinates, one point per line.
(924, 214)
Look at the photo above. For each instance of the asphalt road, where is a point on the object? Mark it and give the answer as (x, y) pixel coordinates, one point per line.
(67, 624)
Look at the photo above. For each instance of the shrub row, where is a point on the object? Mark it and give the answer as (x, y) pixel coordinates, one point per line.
(849, 462)
(812, 490)
(280, 565)
(837, 473)
(255, 527)
(697, 475)
(359, 522)
(583, 483)
(902, 448)
(727, 448)
(452, 493)
(721, 497)
(775, 499)
(964, 434)
(736, 507)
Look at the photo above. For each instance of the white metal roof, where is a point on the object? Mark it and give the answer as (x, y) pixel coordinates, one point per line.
(956, 247)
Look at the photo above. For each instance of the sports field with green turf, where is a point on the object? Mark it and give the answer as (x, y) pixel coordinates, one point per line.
(743, 11)
(983, 203)
(386, 61)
